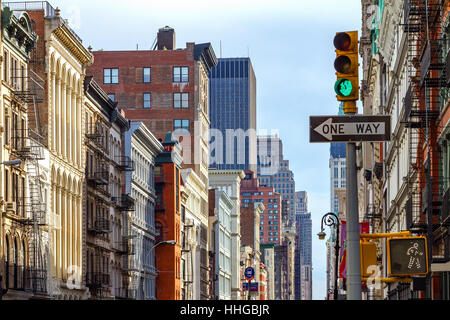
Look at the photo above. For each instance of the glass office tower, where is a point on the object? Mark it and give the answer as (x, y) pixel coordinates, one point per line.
(232, 112)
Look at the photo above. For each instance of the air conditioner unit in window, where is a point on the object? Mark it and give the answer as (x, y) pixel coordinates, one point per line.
(11, 207)
(188, 223)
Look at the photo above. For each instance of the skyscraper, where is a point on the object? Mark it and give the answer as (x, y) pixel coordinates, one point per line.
(273, 171)
(232, 112)
(303, 250)
(338, 167)
(337, 173)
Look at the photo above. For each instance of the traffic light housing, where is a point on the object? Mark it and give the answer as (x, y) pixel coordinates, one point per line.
(347, 69)
(407, 256)
(368, 251)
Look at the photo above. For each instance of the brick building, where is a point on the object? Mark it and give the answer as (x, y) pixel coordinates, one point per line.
(168, 220)
(105, 173)
(273, 171)
(250, 225)
(166, 89)
(270, 220)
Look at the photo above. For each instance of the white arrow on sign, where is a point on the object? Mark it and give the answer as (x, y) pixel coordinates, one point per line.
(328, 129)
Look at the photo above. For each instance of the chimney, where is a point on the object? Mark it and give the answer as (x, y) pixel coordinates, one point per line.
(166, 38)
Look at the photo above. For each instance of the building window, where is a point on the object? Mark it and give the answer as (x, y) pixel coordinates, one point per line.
(111, 76)
(146, 73)
(5, 65)
(147, 99)
(180, 100)
(6, 185)
(180, 74)
(181, 124)
(112, 96)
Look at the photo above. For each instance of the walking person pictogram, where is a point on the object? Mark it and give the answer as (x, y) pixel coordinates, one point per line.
(414, 254)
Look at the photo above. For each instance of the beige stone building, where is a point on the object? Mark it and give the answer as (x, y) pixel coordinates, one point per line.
(23, 245)
(193, 243)
(61, 60)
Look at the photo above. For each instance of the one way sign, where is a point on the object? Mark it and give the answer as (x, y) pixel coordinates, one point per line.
(349, 128)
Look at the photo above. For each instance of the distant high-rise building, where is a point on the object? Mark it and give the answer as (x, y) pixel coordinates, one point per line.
(273, 171)
(337, 173)
(270, 221)
(232, 113)
(303, 250)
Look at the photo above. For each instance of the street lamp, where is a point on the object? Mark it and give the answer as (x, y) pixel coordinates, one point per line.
(173, 242)
(332, 220)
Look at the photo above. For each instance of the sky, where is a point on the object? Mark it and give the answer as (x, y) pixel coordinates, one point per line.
(290, 44)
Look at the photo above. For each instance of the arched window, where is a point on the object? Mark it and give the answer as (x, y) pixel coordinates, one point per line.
(158, 231)
(7, 257)
(15, 256)
(24, 265)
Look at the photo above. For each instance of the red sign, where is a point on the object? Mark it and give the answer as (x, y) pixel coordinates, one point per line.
(364, 227)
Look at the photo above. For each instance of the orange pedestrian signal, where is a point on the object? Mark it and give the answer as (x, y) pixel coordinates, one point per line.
(368, 251)
(407, 256)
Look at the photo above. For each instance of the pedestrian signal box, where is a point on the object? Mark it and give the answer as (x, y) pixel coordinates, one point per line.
(368, 251)
(407, 256)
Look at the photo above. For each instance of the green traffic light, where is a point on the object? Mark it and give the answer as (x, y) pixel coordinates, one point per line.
(343, 87)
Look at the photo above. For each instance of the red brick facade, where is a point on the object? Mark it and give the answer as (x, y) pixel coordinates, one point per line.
(271, 219)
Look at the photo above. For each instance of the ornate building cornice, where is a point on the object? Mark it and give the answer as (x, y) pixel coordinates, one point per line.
(67, 38)
(389, 21)
(17, 31)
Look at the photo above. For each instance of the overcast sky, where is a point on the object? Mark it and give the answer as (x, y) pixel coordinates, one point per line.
(290, 44)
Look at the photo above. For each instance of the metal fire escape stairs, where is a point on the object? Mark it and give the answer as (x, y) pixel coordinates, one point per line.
(29, 148)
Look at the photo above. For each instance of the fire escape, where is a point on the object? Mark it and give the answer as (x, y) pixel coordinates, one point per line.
(426, 74)
(98, 224)
(428, 70)
(126, 246)
(28, 145)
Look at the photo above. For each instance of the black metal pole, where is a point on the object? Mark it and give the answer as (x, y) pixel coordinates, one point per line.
(332, 220)
(337, 261)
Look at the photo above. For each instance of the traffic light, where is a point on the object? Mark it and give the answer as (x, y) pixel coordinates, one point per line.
(347, 69)
(368, 251)
(407, 256)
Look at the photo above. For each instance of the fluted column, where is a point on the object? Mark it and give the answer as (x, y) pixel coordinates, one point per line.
(58, 233)
(75, 244)
(58, 115)
(53, 104)
(64, 233)
(63, 119)
(80, 234)
(73, 127)
(69, 124)
(68, 229)
(79, 132)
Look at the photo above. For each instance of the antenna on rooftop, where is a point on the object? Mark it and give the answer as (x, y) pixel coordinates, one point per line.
(153, 47)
